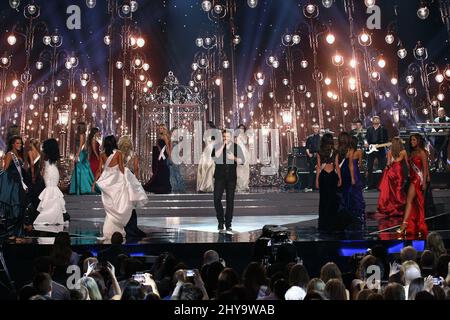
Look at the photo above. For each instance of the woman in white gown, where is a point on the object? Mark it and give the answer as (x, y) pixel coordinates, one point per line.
(121, 192)
(52, 206)
(243, 170)
(206, 168)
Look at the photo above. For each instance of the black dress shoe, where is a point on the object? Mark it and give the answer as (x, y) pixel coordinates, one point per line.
(220, 226)
(229, 230)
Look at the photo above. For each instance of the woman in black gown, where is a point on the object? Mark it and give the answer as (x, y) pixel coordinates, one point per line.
(328, 179)
(159, 183)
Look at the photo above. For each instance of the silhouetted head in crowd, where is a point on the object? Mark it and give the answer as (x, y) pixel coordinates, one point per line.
(415, 286)
(253, 278)
(436, 245)
(394, 291)
(438, 292)
(79, 294)
(335, 290)
(61, 252)
(442, 265)
(315, 284)
(210, 256)
(237, 293)
(410, 270)
(298, 276)
(330, 271)
(190, 292)
(117, 238)
(227, 279)
(133, 291)
(423, 295)
(210, 275)
(280, 287)
(164, 266)
(375, 296)
(314, 295)
(42, 282)
(364, 294)
(408, 253)
(364, 264)
(91, 285)
(427, 261)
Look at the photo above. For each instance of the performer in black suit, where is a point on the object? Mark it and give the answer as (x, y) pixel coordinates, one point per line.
(441, 142)
(312, 147)
(227, 155)
(358, 132)
(376, 134)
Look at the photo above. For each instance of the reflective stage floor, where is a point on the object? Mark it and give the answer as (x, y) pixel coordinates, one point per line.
(190, 218)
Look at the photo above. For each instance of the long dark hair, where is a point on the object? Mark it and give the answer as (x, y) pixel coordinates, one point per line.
(420, 141)
(11, 142)
(344, 144)
(91, 135)
(109, 145)
(326, 147)
(51, 150)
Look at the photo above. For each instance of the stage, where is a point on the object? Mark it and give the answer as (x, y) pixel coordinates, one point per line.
(190, 218)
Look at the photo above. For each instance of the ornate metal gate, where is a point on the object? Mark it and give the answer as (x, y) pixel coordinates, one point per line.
(173, 105)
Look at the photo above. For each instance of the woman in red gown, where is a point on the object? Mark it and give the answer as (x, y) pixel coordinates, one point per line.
(94, 149)
(414, 218)
(392, 198)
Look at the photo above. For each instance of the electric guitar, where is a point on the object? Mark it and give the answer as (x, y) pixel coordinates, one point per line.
(374, 147)
(292, 176)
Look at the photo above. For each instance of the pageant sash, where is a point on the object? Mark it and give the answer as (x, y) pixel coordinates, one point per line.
(161, 153)
(418, 172)
(19, 169)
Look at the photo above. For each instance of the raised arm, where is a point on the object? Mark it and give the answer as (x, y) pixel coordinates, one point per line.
(136, 166)
(338, 170)
(424, 158)
(7, 161)
(31, 161)
(351, 166)
(98, 173)
(94, 148)
(80, 147)
(318, 171)
(120, 162)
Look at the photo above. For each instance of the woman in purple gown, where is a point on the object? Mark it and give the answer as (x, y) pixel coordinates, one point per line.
(352, 187)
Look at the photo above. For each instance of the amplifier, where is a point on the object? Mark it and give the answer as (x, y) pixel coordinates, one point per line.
(300, 162)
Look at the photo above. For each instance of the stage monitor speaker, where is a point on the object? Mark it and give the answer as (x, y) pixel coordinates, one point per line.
(298, 151)
(300, 162)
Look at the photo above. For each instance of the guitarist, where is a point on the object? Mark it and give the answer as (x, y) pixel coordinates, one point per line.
(441, 142)
(312, 147)
(376, 134)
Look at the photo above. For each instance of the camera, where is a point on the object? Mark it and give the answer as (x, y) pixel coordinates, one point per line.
(139, 277)
(190, 273)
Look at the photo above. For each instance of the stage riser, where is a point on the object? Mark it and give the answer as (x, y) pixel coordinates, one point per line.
(257, 204)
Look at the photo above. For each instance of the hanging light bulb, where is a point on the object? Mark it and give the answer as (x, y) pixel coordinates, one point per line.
(206, 5)
(369, 3)
(133, 6)
(327, 3)
(389, 38)
(14, 3)
(330, 38)
(423, 12)
(91, 3)
(402, 53)
(252, 3)
(12, 40)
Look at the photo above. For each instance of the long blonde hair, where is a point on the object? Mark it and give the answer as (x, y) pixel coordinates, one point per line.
(36, 144)
(125, 145)
(397, 147)
(165, 134)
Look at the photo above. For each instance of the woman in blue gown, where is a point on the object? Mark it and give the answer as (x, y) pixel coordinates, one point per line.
(13, 199)
(176, 179)
(82, 175)
(352, 186)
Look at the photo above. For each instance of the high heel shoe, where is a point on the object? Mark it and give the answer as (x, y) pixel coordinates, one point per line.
(402, 229)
